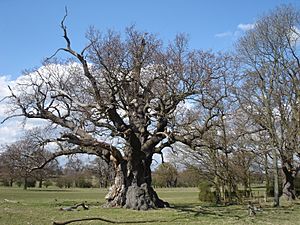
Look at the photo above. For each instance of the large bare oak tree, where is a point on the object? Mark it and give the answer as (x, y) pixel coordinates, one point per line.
(117, 99)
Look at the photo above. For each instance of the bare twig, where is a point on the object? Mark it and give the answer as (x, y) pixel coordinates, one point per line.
(64, 151)
(58, 50)
(10, 117)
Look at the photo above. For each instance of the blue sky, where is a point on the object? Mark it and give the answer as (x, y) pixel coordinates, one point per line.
(29, 29)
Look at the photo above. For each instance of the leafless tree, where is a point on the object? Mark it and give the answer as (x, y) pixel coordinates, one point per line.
(7, 173)
(76, 172)
(270, 85)
(166, 175)
(117, 99)
(20, 157)
(103, 171)
(51, 170)
(207, 129)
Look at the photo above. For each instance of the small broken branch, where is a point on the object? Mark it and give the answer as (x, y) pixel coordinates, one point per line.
(10, 117)
(252, 209)
(71, 208)
(10, 201)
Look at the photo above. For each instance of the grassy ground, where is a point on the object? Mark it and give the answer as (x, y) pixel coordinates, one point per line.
(41, 207)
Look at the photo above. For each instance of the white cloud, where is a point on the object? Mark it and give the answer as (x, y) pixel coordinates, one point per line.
(12, 128)
(10, 131)
(4, 91)
(224, 34)
(242, 27)
(4, 82)
(246, 26)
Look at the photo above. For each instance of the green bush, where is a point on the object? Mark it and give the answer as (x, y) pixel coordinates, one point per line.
(19, 183)
(64, 181)
(6, 182)
(205, 193)
(31, 182)
(83, 183)
(47, 183)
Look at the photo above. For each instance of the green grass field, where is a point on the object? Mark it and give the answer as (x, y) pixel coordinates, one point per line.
(41, 207)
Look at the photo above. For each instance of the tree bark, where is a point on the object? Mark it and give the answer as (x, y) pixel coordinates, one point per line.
(218, 190)
(276, 179)
(267, 179)
(132, 187)
(289, 175)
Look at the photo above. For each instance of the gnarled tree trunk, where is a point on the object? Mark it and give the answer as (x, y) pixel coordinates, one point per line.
(132, 187)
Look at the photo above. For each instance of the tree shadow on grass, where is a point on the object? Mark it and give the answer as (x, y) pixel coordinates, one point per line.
(239, 214)
(113, 221)
(196, 210)
(189, 210)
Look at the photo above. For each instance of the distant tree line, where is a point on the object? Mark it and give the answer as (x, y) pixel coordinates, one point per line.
(19, 165)
(167, 175)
